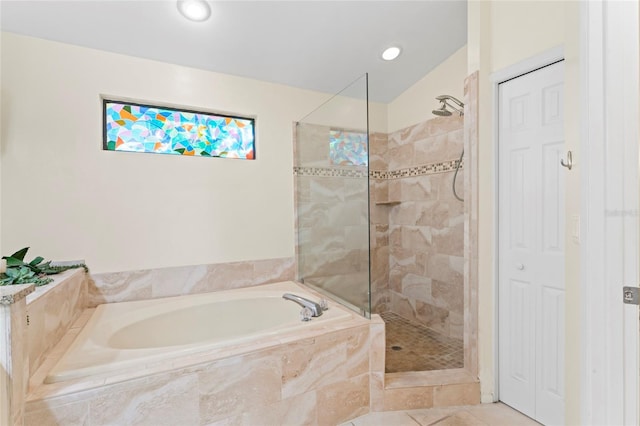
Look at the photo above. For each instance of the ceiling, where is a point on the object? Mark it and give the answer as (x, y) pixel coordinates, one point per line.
(317, 45)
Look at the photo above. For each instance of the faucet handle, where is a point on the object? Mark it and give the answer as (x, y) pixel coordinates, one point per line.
(324, 304)
(306, 314)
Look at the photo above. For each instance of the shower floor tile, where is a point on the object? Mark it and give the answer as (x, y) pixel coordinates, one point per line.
(413, 347)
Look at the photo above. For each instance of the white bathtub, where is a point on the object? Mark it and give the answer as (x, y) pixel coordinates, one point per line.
(132, 334)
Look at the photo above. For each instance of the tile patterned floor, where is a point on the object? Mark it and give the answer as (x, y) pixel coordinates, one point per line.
(412, 347)
(496, 414)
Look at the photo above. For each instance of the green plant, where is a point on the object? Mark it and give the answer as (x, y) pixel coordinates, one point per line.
(20, 272)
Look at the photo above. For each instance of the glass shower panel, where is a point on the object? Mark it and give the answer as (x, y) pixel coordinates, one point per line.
(331, 168)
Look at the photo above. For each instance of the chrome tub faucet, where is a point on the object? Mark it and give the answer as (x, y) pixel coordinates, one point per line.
(315, 308)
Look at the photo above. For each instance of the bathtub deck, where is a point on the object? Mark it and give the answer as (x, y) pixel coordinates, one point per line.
(39, 390)
(137, 333)
(319, 375)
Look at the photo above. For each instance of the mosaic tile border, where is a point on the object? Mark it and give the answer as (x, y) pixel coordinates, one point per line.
(426, 169)
(329, 172)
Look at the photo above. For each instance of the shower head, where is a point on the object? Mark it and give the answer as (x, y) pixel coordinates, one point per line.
(442, 111)
(457, 106)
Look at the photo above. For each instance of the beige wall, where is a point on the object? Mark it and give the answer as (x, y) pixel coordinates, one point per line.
(68, 199)
(501, 34)
(349, 110)
(521, 29)
(416, 103)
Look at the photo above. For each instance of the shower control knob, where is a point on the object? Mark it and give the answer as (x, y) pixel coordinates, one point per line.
(520, 267)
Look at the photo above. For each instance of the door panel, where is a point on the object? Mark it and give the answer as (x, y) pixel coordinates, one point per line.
(518, 368)
(520, 235)
(531, 244)
(550, 365)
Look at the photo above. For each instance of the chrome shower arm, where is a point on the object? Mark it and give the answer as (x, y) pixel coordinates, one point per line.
(459, 110)
(450, 98)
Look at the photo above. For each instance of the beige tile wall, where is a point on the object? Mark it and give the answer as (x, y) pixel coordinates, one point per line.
(418, 226)
(176, 281)
(51, 310)
(331, 218)
(14, 373)
(471, 224)
(379, 217)
(429, 389)
(321, 380)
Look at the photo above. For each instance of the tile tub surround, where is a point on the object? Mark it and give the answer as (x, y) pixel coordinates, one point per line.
(182, 280)
(315, 376)
(326, 377)
(52, 309)
(13, 348)
(129, 335)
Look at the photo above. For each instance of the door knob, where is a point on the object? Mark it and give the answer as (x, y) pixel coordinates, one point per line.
(520, 266)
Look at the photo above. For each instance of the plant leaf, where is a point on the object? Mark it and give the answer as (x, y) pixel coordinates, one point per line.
(20, 254)
(36, 271)
(36, 261)
(26, 272)
(12, 261)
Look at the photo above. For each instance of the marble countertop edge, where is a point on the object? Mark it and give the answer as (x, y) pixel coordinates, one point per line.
(11, 294)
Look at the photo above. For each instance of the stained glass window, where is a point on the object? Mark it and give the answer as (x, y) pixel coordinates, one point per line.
(145, 128)
(347, 148)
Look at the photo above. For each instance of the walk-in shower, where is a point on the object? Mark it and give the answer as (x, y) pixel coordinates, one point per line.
(419, 228)
(378, 227)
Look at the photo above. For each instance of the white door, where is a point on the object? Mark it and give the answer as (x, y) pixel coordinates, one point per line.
(531, 244)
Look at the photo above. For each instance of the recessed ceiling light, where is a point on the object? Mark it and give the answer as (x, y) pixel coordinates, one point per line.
(195, 10)
(391, 53)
